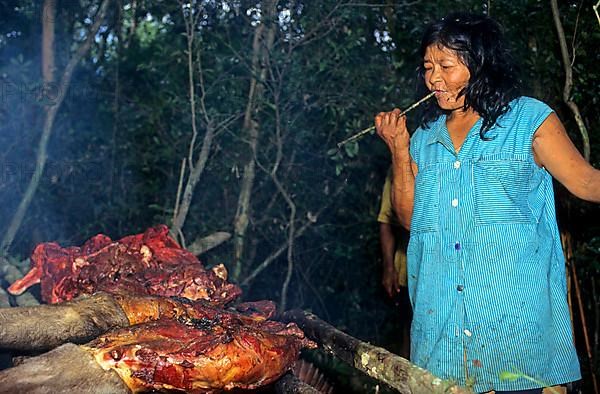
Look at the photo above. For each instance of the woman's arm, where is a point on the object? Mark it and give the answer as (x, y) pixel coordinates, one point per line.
(403, 189)
(554, 150)
(392, 129)
(387, 241)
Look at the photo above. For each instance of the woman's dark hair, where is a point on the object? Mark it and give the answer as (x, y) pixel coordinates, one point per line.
(479, 43)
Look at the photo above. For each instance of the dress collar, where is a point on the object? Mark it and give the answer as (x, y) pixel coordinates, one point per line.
(439, 133)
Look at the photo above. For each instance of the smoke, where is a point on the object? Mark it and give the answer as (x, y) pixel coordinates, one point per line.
(62, 199)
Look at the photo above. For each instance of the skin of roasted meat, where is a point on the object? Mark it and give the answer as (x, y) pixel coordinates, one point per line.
(142, 309)
(150, 263)
(203, 354)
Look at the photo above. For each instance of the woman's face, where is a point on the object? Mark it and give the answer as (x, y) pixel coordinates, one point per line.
(447, 75)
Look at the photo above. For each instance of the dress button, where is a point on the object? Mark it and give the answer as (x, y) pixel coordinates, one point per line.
(457, 164)
(468, 333)
(460, 287)
(455, 202)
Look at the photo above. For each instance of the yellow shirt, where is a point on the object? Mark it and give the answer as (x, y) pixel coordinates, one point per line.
(387, 215)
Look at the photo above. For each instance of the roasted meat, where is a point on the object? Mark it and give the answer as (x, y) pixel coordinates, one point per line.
(142, 309)
(151, 263)
(180, 335)
(200, 355)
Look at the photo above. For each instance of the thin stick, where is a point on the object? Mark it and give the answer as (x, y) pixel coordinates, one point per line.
(179, 187)
(369, 129)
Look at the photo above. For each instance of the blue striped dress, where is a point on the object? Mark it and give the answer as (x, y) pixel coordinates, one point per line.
(486, 271)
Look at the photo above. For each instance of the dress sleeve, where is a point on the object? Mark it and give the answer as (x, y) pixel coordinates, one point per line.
(535, 112)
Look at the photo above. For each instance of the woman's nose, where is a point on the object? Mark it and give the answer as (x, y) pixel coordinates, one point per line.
(435, 75)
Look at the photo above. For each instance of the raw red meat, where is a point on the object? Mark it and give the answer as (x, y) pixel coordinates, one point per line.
(150, 263)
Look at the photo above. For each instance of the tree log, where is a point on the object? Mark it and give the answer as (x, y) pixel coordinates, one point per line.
(66, 369)
(376, 362)
(290, 384)
(201, 245)
(45, 327)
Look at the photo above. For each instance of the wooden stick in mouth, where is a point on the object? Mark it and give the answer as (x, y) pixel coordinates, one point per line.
(369, 129)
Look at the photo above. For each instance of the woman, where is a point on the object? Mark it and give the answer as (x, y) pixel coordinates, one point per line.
(486, 273)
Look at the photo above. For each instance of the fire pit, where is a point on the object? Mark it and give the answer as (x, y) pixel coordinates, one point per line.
(143, 314)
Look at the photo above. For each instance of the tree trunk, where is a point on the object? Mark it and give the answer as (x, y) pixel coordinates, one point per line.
(264, 36)
(66, 369)
(376, 362)
(48, 21)
(45, 327)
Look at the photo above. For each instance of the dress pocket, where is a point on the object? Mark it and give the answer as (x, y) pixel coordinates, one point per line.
(426, 210)
(502, 191)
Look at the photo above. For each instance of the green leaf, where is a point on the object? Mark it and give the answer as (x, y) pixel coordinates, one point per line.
(351, 149)
(510, 376)
(332, 151)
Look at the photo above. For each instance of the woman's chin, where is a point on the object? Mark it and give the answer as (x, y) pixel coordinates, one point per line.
(447, 105)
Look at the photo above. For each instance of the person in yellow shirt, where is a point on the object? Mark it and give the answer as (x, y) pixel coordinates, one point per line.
(394, 241)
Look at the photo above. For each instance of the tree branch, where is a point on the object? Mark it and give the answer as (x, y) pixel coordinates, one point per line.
(196, 167)
(264, 36)
(313, 218)
(567, 64)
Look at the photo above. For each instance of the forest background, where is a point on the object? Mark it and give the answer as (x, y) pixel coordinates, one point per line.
(98, 135)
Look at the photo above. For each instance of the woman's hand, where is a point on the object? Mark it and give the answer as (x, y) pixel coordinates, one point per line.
(392, 129)
(390, 281)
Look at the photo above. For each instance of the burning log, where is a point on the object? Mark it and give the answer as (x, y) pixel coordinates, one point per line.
(66, 369)
(376, 362)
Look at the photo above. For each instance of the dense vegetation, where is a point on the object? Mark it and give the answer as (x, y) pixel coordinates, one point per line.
(268, 115)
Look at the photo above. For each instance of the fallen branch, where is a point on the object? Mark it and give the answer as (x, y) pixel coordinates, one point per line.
(376, 362)
(201, 245)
